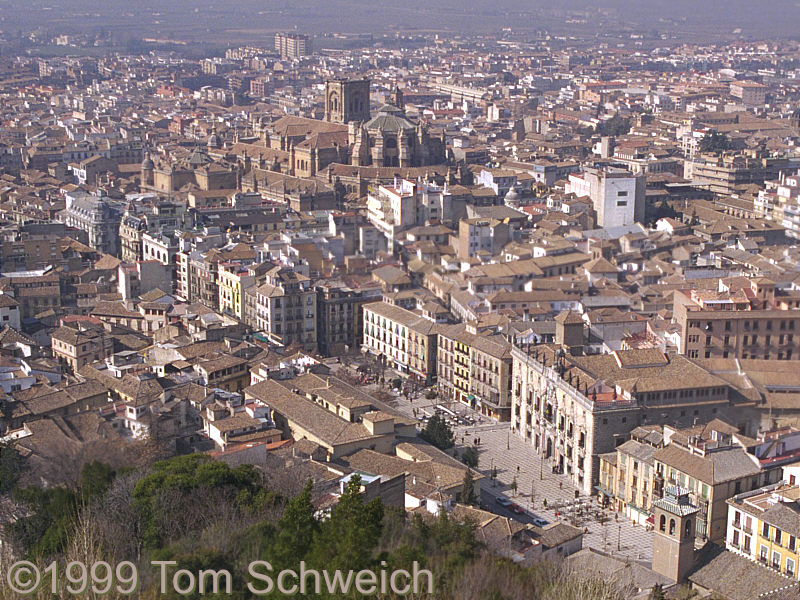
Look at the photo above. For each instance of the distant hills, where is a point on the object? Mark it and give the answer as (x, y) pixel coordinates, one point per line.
(222, 20)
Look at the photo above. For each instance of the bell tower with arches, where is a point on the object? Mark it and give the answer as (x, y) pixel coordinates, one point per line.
(675, 528)
(347, 100)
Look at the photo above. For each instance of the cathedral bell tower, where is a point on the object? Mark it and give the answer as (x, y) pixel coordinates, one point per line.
(347, 100)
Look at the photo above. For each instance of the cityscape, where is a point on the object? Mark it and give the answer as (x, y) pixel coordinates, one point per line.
(510, 291)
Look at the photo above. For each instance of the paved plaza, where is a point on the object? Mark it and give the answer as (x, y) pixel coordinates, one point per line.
(513, 458)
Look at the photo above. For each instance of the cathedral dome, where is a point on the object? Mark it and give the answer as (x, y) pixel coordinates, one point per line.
(390, 119)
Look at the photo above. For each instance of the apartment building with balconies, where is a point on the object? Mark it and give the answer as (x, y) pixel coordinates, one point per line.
(286, 308)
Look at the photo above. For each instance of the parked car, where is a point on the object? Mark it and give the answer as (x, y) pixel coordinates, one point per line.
(540, 522)
(504, 502)
(517, 509)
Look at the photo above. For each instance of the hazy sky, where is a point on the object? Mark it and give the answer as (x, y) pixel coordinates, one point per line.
(759, 18)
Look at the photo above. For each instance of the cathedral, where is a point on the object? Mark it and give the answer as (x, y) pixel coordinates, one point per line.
(388, 139)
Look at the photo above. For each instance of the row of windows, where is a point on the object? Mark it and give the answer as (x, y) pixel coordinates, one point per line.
(779, 537)
(776, 560)
(784, 324)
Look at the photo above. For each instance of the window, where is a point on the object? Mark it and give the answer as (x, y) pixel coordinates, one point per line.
(763, 553)
(622, 203)
(735, 538)
(672, 526)
(789, 567)
(765, 528)
(776, 561)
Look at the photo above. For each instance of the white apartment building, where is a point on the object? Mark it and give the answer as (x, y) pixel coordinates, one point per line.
(405, 204)
(617, 194)
(780, 202)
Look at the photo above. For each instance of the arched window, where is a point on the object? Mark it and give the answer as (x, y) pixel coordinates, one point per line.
(672, 526)
(662, 526)
(688, 529)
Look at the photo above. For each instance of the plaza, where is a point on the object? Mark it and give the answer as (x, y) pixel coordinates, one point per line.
(513, 459)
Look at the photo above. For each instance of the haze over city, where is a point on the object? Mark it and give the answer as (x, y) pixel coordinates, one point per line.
(502, 296)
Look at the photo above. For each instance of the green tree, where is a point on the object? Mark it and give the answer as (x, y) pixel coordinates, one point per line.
(470, 457)
(296, 531)
(615, 126)
(467, 494)
(348, 538)
(438, 433)
(180, 477)
(9, 467)
(96, 477)
(715, 141)
(44, 532)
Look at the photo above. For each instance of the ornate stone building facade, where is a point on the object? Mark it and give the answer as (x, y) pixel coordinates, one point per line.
(197, 170)
(97, 217)
(391, 140)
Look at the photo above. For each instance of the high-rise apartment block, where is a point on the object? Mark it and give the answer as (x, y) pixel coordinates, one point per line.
(292, 45)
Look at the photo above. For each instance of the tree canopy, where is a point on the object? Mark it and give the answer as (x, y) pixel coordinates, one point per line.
(715, 142)
(615, 126)
(227, 517)
(438, 433)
